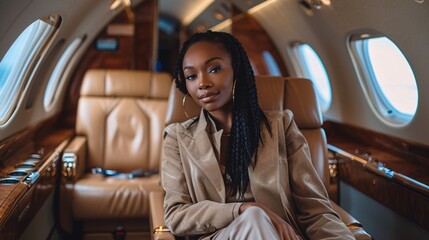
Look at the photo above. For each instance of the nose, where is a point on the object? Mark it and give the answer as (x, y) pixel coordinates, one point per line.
(205, 83)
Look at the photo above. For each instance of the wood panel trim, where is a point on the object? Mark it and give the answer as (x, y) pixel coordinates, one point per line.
(256, 41)
(405, 149)
(355, 147)
(42, 138)
(407, 202)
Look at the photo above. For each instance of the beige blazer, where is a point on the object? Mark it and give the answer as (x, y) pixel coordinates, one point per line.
(283, 179)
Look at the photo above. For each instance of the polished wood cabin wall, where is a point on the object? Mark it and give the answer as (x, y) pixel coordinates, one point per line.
(255, 41)
(407, 191)
(20, 201)
(134, 52)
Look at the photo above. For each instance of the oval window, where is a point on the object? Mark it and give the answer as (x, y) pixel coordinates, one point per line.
(387, 78)
(58, 75)
(19, 61)
(271, 64)
(310, 66)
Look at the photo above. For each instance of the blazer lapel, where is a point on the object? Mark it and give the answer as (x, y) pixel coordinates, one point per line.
(269, 187)
(200, 151)
(267, 178)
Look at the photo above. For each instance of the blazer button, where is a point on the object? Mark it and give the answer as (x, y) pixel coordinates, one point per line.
(210, 228)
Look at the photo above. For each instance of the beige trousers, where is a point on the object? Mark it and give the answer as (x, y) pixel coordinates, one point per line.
(252, 224)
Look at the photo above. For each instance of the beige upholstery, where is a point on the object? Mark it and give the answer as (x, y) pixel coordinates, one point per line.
(122, 115)
(120, 118)
(277, 93)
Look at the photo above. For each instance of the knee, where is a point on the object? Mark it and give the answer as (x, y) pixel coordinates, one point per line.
(255, 213)
(254, 223)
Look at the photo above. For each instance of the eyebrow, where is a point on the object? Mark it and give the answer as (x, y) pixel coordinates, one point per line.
(206, 62)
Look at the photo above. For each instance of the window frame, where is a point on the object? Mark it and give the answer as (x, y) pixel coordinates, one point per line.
(59, 73)
(378, 101)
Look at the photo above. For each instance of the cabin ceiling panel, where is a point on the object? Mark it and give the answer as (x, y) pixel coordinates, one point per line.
(183, 10)
(220, 11)
(9, 12)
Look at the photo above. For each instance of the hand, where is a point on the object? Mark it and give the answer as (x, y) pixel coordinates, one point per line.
(285, 231)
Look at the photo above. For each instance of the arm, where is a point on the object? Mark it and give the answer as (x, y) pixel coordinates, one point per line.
(314, 211)
(156, 217)
(184, 214)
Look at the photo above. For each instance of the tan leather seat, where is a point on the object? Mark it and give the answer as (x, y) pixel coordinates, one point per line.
(275, 93)
(119, 127)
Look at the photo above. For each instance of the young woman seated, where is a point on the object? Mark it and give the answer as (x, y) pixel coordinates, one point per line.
(235, 172)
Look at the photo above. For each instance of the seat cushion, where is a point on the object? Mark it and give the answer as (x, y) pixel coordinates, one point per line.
(98, 197)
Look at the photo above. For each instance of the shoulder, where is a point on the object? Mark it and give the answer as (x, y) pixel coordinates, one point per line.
(285, 116)
(180, 127)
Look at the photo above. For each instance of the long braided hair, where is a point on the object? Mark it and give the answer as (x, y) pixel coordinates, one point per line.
(247, 114)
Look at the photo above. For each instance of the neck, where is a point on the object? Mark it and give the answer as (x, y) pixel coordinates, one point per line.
(223, 121)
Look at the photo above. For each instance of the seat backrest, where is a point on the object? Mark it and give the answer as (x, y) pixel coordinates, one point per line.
(276, 93)
(122, 113)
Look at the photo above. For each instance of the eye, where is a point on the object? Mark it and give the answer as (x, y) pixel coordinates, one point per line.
(190, 77)
(215, 69)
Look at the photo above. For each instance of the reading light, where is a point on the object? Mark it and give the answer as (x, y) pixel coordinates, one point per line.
(117, 3)
(123, 4)
(314, 4)
(326, 2)
(219, 16)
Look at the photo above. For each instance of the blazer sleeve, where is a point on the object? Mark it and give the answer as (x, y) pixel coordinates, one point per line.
(313, 208)
(183, 215)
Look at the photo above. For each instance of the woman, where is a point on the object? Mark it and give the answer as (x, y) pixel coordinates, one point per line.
(216, 166)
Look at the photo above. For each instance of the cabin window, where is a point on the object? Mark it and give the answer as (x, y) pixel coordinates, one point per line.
(386, 78)
(270, 63)
(309, 65)
(18, 64)
(59, 74)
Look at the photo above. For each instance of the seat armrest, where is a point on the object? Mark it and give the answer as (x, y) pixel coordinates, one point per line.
(73, 160)
(156, 216)
(72, 168)
(354, 225)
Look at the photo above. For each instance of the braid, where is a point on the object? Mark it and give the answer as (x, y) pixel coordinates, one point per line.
(247, 116)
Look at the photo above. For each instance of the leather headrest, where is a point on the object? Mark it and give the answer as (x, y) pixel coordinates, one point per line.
(274, 93)
(125, 83)
(300, 98)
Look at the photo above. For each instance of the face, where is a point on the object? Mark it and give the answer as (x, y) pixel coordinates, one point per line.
(209, 76)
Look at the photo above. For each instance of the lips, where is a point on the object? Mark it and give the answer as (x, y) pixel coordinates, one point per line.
(207, 97)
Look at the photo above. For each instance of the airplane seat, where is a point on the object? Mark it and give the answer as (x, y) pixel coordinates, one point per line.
(113, 163)
(275, 93)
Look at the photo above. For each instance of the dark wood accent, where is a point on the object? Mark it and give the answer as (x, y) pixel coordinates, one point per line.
(401, 156)
(394, 195)
(255, 41)
(168, 44)
(135, 52)
(8, 195)
(146, 31)
(23, 138)
(20, 202)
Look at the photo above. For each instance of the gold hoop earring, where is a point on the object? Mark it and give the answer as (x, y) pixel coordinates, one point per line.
(233, 91)
(183, 105)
